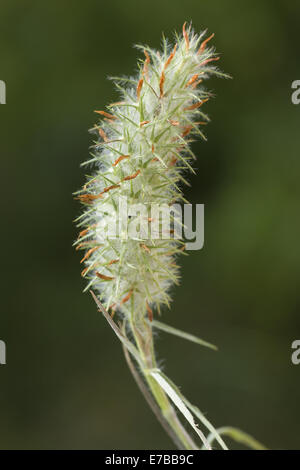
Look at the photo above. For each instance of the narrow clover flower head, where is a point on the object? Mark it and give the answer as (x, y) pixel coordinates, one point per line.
(140, 155)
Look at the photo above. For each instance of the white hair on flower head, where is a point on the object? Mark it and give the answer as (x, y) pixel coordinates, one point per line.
(143, 148)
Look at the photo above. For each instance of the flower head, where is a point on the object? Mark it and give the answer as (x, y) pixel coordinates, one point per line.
(142, 149)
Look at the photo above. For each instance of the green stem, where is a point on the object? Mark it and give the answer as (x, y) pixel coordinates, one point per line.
(144, 342)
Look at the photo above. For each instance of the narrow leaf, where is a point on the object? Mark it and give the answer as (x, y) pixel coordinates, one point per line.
(182, 334)
(238, 436)
(131, 348)
(170, 391)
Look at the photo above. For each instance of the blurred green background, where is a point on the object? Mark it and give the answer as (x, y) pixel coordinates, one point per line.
(66, 384)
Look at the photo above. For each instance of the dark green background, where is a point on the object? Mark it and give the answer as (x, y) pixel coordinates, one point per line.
(65, 384)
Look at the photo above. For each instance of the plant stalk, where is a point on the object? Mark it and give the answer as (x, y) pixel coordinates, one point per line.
(144, 342)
